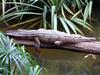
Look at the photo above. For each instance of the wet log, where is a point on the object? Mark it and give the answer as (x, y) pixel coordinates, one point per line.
(55, 39)
(91, 47)
(88, 47)
(48, 36)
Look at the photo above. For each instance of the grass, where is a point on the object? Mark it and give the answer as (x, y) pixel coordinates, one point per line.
(15, 60)
(70, 15)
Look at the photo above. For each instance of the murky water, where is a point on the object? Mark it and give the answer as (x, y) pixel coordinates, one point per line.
(66, 62)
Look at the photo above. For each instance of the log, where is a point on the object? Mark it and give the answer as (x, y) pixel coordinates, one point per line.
(88, 47)
(55, 39)
(48, 36)
(91, 47)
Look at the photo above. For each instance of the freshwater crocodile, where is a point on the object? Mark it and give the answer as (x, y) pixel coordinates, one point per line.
(47, 36)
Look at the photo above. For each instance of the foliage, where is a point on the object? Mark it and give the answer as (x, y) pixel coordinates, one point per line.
(15, 60)
(53, 14)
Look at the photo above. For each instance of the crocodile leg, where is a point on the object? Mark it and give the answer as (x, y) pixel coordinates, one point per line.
(37, 44)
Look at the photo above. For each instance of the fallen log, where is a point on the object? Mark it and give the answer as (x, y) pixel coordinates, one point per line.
(89, 47)
(55, 39)
(48, 36)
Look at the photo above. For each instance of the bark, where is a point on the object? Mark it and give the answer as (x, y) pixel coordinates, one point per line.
(55, 39)
(90, 47)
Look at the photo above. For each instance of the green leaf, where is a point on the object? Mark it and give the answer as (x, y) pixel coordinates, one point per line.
(44, 17)
(12, 55)
(24, 22)
(36, 68)
(75, 15)
(55, 21)
(86, 12)
(60, 4)
(16, 6)
(45, 3)
(9, 19)
(18, 65)
(52, 2)
(86, 1)
(76, 28)
(9, 10)
(52, 16)
(3, 7)
(32, 13)
(19, 13)
(34, 24)
(82, 2)
(49, 2)
(68, 9)
(90, 8)
(71, 25)
(62, 12)
(64, 25)
(25, 4)
(78, 3)
(81, 22)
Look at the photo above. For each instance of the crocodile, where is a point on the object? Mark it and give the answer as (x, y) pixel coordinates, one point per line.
(47, 36)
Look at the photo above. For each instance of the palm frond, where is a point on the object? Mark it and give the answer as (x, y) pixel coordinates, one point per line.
(52, 13)
(14, 55)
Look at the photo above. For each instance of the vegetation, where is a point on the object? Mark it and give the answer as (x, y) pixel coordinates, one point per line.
(15, 60)
(69, 15)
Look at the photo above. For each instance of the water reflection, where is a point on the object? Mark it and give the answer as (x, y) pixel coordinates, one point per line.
(66, 62)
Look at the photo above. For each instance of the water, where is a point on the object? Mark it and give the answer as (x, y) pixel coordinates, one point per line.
(66, 62)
